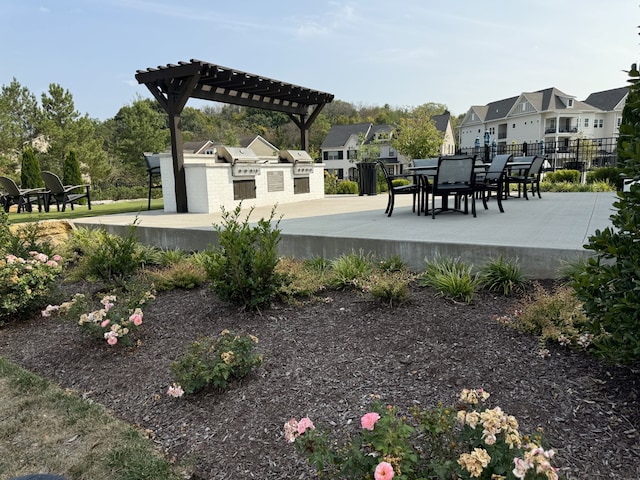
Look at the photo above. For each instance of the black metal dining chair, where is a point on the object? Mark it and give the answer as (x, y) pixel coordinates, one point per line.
(406, 189)
(454, 176)
(492, 180)
(528, 175)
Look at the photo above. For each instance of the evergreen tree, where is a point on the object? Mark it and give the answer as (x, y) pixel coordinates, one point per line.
(30, 175)
(71, 170)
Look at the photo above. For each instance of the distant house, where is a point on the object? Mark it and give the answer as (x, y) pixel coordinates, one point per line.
(548, 115)
(340, 146)
(202, 147)
(260, 146)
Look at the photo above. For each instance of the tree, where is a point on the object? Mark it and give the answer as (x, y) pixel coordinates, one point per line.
(71, 170)
(19, 116)
(30, 174)
(66, 130)
(139, 128)
(417, 135)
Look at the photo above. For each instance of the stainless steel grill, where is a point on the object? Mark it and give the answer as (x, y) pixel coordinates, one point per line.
(244, 162)
(302, 162)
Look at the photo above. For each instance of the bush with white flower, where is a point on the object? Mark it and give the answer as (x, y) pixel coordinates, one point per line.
(111, 323)
(25, 282)
(468, 441)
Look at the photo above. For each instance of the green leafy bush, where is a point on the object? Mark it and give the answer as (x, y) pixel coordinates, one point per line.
(105, 256)
(346, 187)
(611, 175)
(609, 285)
(215, 362)
(391, 287)
(22, 239)
(26, 283)
(500, 275)
(566, 175)
(242, 268)
(451, 278)
(301, 278)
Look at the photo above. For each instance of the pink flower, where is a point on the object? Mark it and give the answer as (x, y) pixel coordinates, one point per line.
(105, 323)
(136, 318)
(291, 430)
(304, 424)
(112, 340)
(57, 258)
(175, 391)
(384, 471)
(369, 420)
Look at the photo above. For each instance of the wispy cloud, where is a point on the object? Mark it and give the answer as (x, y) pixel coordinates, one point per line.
(336, 19)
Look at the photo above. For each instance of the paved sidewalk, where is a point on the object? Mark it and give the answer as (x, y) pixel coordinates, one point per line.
(542, 233)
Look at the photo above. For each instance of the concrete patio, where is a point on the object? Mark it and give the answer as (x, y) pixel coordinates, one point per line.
(543, 234)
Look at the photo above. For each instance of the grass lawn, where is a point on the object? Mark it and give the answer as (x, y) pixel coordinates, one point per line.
(125, 206)
(47, 429)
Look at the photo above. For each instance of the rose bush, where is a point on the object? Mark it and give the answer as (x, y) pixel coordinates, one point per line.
(468, 441)
(25, 282)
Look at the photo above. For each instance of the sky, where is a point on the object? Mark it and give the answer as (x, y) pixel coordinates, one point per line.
(403, 53)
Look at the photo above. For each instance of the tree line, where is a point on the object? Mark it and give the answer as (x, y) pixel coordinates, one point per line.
(111, 150)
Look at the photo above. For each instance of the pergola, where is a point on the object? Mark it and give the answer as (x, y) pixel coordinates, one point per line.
(173, 85)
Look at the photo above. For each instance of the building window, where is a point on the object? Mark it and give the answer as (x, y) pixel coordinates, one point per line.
(618, 121)
(586, 123)
(333, 155)
(570, 102)
(392, 153)
(352, 154)
(600, 123)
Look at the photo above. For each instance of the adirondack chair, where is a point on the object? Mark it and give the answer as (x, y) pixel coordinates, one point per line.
(64, 195)
(24, 198)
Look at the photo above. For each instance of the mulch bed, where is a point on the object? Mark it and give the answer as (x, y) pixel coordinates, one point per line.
(325, 359)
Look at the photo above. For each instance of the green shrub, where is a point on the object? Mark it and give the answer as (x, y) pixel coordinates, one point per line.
(30, 174)
(400, 182)
(22, 239)
(451, 278)
(575, 187)
(391, 287)
(242, 268)
(351, 270)
(611, 175)
(609, 285)
(105, 256)
(559, 176)
(392, 264)
(500, 275)
(552, 315)
(186, 275)
(346, 187)
(216, 362)
(301, 278)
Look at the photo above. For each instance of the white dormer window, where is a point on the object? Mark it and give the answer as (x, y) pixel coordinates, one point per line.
(570, 102)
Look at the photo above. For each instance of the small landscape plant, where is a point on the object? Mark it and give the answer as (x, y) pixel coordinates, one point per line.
(352, 270)
(301, 278)
(214, 362)
(465, 441)
(500, 275)
(451, 278)
(26, 282)
(552, 315)
(242, 269)
(391, 287)
(187, 274)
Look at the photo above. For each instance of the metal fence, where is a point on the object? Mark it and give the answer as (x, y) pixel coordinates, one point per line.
(578, 154)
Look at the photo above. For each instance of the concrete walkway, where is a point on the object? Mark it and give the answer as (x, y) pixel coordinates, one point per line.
(541, 233)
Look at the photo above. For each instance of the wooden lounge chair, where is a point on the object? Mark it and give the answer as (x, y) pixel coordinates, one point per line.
(64, 195)
(24, 198)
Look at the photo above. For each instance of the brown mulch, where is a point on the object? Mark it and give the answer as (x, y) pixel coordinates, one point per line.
(324, 360)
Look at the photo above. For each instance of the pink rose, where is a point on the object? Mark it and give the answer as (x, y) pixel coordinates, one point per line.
(369, 420)
(112, 340)
(105, 323)
(136, 318)
(57, 258)
(304, 424)
(384, 471)
(291, 430)
(175, 391)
